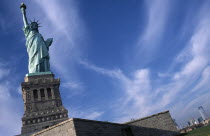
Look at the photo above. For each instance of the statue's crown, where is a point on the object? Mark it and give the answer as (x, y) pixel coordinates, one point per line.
(36, 22)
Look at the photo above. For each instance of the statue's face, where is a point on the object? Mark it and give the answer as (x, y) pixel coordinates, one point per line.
(34, 26)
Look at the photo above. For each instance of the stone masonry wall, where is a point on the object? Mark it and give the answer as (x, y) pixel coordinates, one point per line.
(97, 128)
(83, 127)
(65, 128)
(42, 103)
(159, 124)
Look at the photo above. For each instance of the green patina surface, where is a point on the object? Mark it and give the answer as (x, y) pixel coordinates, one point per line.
(39, 73)
(37, 47)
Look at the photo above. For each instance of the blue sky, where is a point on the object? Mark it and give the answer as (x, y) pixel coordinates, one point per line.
(117, 59)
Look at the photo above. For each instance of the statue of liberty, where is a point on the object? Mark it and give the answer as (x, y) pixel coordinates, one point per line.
(37, 47)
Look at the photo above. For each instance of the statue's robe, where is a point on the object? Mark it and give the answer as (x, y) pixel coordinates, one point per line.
(37, 49)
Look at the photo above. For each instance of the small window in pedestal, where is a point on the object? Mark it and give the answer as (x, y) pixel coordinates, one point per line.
(35, 93)
(42, 94)
(49, 93)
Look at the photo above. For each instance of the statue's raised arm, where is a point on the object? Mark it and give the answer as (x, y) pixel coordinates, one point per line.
(23, 9)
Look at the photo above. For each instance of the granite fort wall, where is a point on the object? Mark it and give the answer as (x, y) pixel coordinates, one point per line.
(83, 127)
(65, 128)
(160, 124)
(97, 128)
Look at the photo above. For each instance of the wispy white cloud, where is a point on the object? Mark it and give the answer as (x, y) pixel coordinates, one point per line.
(161, 75)
(150, 38)
(10, 114)
(198, 50)
(10, 123)
(3, 72)
(73, 88)
(190, 82)
(202, 84)
(94, 115)
(117, 73)
(157, 17)
(137, 90)
(73, 85)
(91, 113)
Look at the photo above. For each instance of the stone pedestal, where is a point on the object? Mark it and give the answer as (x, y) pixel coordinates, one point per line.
(42, 103)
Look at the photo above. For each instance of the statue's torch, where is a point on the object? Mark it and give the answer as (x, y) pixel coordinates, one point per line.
(22, 6)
